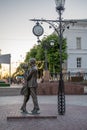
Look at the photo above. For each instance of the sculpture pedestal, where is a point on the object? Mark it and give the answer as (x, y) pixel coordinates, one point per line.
(46, 75)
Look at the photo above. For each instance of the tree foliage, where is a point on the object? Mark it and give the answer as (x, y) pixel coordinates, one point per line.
(53, 52)
(52, 55)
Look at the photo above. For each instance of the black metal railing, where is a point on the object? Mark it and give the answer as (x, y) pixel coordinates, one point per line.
(68, 76)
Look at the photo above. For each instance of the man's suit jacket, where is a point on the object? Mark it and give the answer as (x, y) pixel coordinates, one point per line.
(32, 77)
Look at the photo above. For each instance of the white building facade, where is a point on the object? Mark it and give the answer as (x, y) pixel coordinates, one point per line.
(77, 47)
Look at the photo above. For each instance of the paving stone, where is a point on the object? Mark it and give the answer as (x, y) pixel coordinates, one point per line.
(75, 117)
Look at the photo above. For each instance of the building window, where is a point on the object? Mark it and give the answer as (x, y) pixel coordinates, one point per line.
(78, 62)
(78, 42)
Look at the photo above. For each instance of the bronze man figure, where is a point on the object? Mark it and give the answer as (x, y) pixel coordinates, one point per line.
(31, 87)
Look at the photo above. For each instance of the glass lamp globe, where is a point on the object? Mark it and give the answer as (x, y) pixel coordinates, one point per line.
(60, 4)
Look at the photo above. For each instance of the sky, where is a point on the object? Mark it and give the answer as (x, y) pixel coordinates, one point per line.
(16, 37)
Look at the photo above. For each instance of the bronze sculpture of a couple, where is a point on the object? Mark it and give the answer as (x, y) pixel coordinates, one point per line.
(30, 87)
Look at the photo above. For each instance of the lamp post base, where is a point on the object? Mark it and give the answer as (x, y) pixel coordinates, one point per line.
(61, 98)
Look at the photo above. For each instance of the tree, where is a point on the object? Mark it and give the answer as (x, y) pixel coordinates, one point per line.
(53, 52)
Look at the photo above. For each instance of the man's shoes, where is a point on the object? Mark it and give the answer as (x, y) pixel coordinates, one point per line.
(23, 110)
(35, 111)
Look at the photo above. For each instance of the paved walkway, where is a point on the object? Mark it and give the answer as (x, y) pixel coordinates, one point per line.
(74, 118)
(70, 100)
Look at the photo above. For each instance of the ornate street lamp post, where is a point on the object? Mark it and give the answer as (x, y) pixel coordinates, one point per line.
(46, 46)
(61, 92)
(38, 31)
(59, 27)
